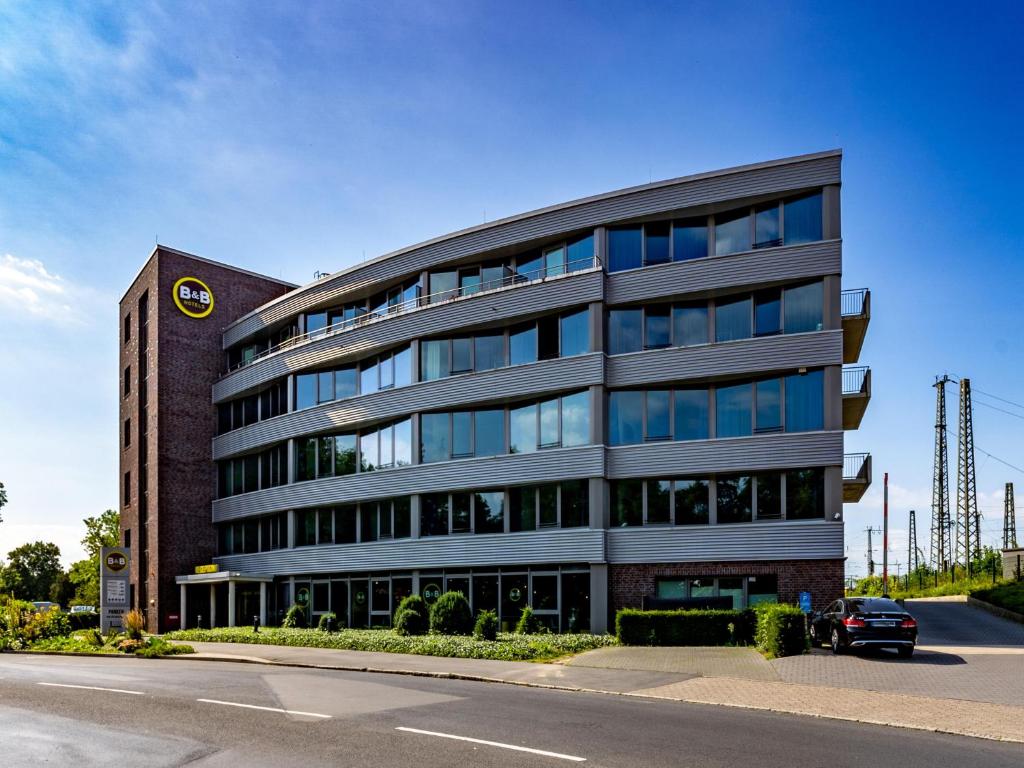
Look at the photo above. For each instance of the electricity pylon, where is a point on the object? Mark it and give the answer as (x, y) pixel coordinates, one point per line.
(1009, 520)
(871, 551)
(940, 544)
(968, 518)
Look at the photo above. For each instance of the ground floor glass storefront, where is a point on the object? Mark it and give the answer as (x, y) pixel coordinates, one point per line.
(558, 595)
(743, 591)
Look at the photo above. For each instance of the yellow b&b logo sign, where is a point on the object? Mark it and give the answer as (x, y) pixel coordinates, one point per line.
(116, 561)
(193, 297)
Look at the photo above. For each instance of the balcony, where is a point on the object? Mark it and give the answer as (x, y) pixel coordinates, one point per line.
(856, 395)
(856, 476)
(855, 309)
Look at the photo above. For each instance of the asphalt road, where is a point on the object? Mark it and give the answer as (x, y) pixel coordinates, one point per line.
(174, 712)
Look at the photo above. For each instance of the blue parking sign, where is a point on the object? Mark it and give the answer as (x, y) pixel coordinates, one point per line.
(805, 602)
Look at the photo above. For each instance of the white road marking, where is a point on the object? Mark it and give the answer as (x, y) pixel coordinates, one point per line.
(515, 747)
(93, 688)
(265, 709)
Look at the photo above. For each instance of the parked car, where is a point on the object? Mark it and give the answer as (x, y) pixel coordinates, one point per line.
(862, 622)
(43, 606)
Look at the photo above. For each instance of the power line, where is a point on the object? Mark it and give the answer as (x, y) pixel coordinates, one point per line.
(1001, 410)
(997, 397)
(990, 455)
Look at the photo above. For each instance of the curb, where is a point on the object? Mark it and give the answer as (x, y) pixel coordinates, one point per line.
(995, 610)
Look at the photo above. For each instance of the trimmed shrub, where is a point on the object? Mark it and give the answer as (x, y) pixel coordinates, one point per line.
(412, 616)
(528, 623)
(295, 618)
(450, 615)
(636, 627)
(134, 623)
(781, 630)
(328, 623)
(82, 620)
(486, 627)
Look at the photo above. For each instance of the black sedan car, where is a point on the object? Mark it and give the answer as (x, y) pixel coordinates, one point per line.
(862, 622)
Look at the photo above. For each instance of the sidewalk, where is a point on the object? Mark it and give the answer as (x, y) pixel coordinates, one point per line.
(734, 677)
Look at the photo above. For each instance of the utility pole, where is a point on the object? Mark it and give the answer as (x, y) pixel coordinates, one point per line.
(912, 562)
(871, 551)
(885, 534)
(968, 518)
(1009, 519)
(940, 539)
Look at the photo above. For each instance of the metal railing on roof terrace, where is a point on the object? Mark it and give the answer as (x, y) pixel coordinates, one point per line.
(506, 282)
(857, 466)
(855, 380)
(854, 302)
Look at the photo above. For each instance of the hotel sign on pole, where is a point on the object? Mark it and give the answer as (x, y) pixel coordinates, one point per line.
(114, 591)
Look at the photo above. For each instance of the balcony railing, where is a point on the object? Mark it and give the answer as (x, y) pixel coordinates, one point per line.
(506, 282)
(854, 302)
(857, 466)
(856, 380)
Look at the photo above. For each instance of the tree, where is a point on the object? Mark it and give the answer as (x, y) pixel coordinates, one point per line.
(32, 570)
(101, 531)
(3, 499)
(84, 576)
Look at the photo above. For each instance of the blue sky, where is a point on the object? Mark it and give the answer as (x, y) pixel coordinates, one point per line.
(293, 137)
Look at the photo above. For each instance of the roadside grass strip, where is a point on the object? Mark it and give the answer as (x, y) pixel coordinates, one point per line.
(265, 709)
(515, 747)
(92, 688)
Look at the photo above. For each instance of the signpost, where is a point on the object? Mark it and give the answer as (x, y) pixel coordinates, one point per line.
(114, 578)
(805, 602)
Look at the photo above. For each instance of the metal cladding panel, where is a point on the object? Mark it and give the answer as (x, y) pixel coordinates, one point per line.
(495, 386)
(457, 315)
(720, 274)
(759, 355)
(782, 540)
(734, 454)
(463, 474)
(567, 545)
(670, 196)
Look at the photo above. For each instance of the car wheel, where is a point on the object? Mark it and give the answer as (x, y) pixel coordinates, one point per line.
(905, 652)
(837, 644)
(814, 635)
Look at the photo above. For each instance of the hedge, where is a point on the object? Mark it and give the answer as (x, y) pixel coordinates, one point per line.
(684, 627)
(781, 630)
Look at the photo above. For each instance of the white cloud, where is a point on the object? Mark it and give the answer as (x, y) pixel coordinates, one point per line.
(27, 286)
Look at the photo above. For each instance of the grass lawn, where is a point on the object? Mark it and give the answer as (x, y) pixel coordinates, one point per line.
(508, 647)
(1009, 596)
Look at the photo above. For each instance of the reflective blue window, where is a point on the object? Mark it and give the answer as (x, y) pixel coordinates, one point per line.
(523, 422)
(580, 252)
(802, 219)
(345, 384)
(549, 424)
(766, 226)
(575, 333)
(625, 248)
(769, 405)
(733, 410)
(690, 325)
(732, 320)
(403, 443)
(469, 281)
(656, 243)
(554, 261)
(658, 410)
(369, 451)
(325, 386)
(768, 312)
(489, 352)
(489, 431)
(434, 437)
(403, 367)
(804, 308)
(732, 232)
(434, 360)
(689, 239)
(369, 380)
(657, 327)
(691, 414)
(462, 433)
(530, 267)
(316, 321)
(443, 285)
(576, 419)
(462, 355)
(625, 418)
(305, 390)
(522, 345)
(625, 331)
(805, 401)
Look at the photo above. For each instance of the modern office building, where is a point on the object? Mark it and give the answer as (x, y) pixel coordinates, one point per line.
(632, 396)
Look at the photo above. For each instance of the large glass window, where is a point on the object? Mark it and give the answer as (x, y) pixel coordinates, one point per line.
(803, 219)
(461, 519)
(732, 232)
(732, 320)
(766, 226)
(490, 433)
(627, 503)
(462, 355)
(656, 243)
(523, 515)
(769, 405)
(369, 378)
(657, 329)
(547, 338)
(369, 451)
(767, 312)
(733, 410)
(530, 267)
(305, 390)
(523, 429)
(443, 285)
(489, 351)
(804, 308)
(549, 437)
(344, 454)
(522, 345)
(462, 434)
(659, 502)
(625, 417)
(434, 438)
(658, 411)
(805, 494)
(769, 496)
(625, 331)
(625, 248)
(689, 239)
(575, 333)
(434, 362)
(403, 443)
(689, 324)
(575, 503)
(734, 499)
(805, 406)
(554, 261)
(576, 420)
(691, 502)
(345, 383)
(403, 367)
(580, 252)
(489, 512)
(691, 414)
(434, 514)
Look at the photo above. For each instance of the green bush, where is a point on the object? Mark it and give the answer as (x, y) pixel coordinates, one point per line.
(486, 627)
(328, 623)
(295, 618)
(157, 647)
(412, 616)
(450, 615)
(78, 621)
(781, 630)
(683, 627)
(1009, 596)
(528, 623)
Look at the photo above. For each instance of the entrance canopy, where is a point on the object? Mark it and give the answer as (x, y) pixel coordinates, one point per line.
(231, 578)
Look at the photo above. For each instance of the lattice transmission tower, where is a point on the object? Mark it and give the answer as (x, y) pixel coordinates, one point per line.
(1009, 520)
(913, 563)
(968, 518)
(941, 544)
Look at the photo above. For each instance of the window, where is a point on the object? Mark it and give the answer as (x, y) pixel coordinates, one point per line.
(803, 219)
(574, 330)
(732, 320)
(690, 499)
(625, 248)
(734, 498)
(768, 394)
(127, 432)
(659, 502)
(524, 509)
(804, 308)
(657, 328)
(403, 443)
(127, 327)
(689, 239)
(732, 232)
(656, 243)
(344, 454)
(769, 496)
(554, 261)
(523, 423)
(345, 382)
(462, 434)
(768, 312)
(549, 505)
(434, 514)
(369, 377)
(305, 390)
(576, 420)
(625, 417)
(489, 351)
(127, 381)
(575, 503)
(530, 267)
(127, 488)
(625, 331)
(547, 338)
(489, 433)
(689, 324)
(494, 275)
(462, 355)
(805, 494)
(766, 226)
(549, 436)
(469, 281)
(691, 414)
(434, 363)
(522, 345)
(627, 503)
(434, 438)
(489, 512)
(580, 252)
(443, 285)
(658, 411)
(805, 406)
(733, 410)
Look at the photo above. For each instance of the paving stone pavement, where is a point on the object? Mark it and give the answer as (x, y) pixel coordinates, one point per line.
(713, 662)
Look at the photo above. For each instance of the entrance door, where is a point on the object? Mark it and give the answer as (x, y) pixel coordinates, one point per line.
(339, 602)
(321, 602)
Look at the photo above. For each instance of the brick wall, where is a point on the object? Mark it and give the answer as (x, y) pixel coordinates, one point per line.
(629, 584)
